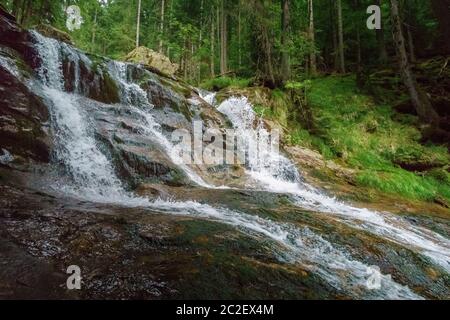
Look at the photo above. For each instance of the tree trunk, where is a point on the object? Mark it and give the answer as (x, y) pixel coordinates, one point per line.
(17, 4)
(419, 99)
(311, 32)
(334, 35)
(26, 11)
(359, 74)
(161, 27)
(410, 24)
(192, 64)
(169, 22)
(285, 30)
(441, 9)
(223, 40)
(341, 37)
(200, 42)
(383, 55)
(268, 50)
(200, 37)
(218, 30)
(239, 36)
(213, 52)
(94, 28)
(412, 54)
(138, 24)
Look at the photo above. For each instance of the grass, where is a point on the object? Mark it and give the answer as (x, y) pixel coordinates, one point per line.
(220, 83)
(352, 129)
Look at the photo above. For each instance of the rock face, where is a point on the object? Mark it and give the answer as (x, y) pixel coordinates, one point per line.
(153, 60)
(13, 37)
(24, 136)
(23, 118)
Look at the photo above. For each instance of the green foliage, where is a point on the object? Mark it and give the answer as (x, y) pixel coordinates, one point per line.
(220, 83)
(296, 85)
(352, 129)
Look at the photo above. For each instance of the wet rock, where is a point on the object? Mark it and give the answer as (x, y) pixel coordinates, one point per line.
(94, 81)
(154, 191)
(23, 121)
(151, 164)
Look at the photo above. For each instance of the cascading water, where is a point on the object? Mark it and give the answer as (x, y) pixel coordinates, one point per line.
(301, 245)
(91, 175)
(137, 100)
(92, 178)
(262, 159)
(284, 180)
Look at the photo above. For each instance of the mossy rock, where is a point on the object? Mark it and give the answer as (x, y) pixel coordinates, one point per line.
(153, 60)
(52, 32)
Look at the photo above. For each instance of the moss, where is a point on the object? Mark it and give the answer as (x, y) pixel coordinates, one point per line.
(178, 87)
(366, 136)
(110, 90)
(221, 83)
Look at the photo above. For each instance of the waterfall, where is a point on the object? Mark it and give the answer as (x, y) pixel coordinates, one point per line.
(91, 176)
(131, 93)
(136, 99)
(262, 160)
(278, 174)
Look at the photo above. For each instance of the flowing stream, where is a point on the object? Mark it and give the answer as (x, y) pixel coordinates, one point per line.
(278, 174)
(90, 175)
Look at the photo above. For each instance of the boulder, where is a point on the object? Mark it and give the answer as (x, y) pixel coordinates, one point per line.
(306, 158)
(152, 59)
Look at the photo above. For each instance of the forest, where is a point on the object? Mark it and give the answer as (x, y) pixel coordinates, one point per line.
(266, 42)
(271, 41)
(284, 45)
(360, 90)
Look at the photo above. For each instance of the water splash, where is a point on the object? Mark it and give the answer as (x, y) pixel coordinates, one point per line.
(50, 70)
